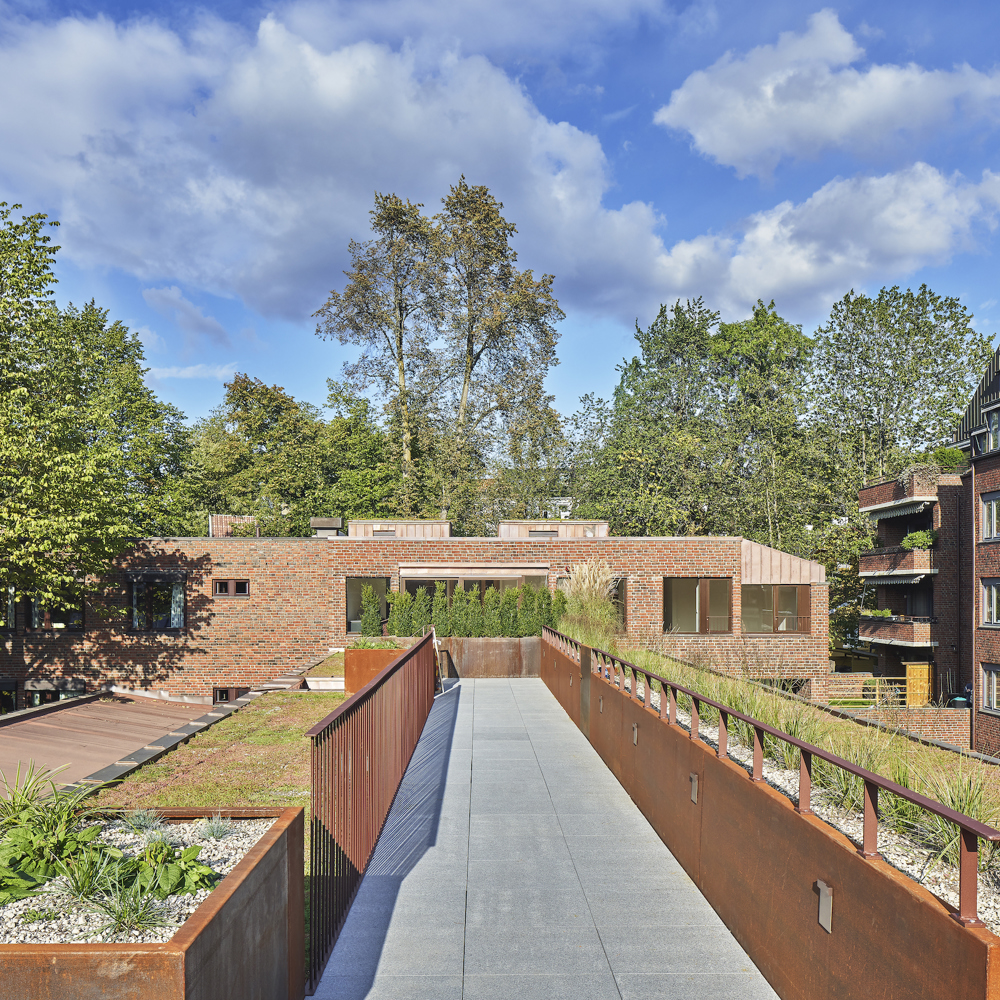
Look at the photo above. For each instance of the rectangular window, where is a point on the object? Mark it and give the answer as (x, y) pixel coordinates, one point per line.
(993, 431)
(991, 515)
(697, 604)
(70, 618)
(231, 588)
(157, 605)
(777, 607)
(7, 608)
(990, 673)
(543, 533)
(354, 590)
(991, 602)
(8, 696)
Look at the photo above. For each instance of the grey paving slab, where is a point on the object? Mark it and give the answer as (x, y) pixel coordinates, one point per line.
(513, 864)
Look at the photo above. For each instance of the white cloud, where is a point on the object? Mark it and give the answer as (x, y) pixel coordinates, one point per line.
(848, 233)
(801, 95)
(171, 303)
(151, 341)
(220, 373)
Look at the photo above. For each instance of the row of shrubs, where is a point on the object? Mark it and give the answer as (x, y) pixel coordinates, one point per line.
(514, 612)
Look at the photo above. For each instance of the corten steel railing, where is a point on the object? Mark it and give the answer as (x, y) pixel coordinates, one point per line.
(359, 755)
(625, 676)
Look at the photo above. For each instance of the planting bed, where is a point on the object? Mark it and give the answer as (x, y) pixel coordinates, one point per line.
(53, 917)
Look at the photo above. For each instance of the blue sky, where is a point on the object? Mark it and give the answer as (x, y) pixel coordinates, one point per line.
(210, 164)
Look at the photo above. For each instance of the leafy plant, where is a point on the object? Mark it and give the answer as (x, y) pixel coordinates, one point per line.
(508, 611)
(919, 540)
(366, 643)
(33, 916)
(21, 795)
(475, 619)
(558, 607)
(878, 613)
(128, 908)
(90, 873)
(527, 619)
(440, 612)
(491, 612)
(420, 617)
(164, 872)
(459, 609)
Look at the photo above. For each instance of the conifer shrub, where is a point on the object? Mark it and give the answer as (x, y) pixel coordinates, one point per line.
(440, 612)
(459, 609)
(371, 617)
(508, 611)
(420, 616)
(475, 619)
(492, 624)
(527, 618)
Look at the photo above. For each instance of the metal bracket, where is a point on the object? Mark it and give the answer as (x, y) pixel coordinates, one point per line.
(600, 702)
(825, 905)
(635, 734)
(694, 788)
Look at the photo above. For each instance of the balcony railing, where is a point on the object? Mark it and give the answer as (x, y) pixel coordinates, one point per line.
(894, 559)
(896, 630)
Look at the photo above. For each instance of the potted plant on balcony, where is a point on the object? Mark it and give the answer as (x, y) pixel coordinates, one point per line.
(919, 540)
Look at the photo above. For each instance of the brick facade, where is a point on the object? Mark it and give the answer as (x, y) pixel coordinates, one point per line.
(296, 607)
(949, 725)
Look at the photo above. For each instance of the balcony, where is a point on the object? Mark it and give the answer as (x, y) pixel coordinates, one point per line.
(918, 486)
(895, 561)
(896, 630)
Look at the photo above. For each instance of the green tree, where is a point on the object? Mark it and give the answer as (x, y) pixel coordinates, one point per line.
(474, 615)
(388, 308)
(85, 446)
(893, 374)
(509, 601)
(371, 613)
(527, 617)
(545, 609)
(459, 612)
(440, 612)
(492, 623)
(559, 607)
(421, 616)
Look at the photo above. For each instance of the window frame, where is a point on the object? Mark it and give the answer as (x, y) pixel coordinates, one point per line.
(990, 687)
(703, 605)
(989, 520)
(989, 602)
(803, 602)
(9, 623)
(36, 611)
(148, 580)
(230, 590)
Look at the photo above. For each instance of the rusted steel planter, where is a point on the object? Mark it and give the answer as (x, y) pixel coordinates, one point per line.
(245, 942)
(362, 666)
(498, 656)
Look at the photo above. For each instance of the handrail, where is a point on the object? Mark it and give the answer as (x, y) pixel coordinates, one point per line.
(614, 668)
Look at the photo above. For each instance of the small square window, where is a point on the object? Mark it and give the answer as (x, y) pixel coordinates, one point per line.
(241, 588)
(221, 588)
(231, 588)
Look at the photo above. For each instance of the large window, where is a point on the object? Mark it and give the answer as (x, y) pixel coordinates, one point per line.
(777, 607)
(991, 602)
(697, 604)
(157, 605)
(991, 516)
(991, 697)
(354, 590)
(993, 430)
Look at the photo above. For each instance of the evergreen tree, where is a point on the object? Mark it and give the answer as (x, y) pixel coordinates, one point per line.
(492, 625)
(558, 607)
(545, 609)
(371, 618)
(404, 613)
(420, 617)
(392, 623)
(508, 611)
(474, 615)
(459, 607)
(440, 612)
(527, 619)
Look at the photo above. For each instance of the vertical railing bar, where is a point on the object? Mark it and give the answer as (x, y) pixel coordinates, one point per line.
(805, 782)
(723, 749)
(693, 732)
(869, 834)
(758, 754)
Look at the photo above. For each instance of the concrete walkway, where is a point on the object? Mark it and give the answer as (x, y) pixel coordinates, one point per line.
(513, 865)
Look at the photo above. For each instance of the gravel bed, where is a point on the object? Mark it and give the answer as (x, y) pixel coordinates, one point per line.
(902, 853)
(66, 921)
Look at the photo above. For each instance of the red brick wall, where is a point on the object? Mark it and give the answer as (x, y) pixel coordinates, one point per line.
(951, 725)
(227, 642)
(918, 484)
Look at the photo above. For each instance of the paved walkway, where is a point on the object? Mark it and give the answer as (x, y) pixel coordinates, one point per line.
(85, 738)
(513, 865)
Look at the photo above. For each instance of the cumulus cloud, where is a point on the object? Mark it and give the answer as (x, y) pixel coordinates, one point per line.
(802, 95)
(171, 303)
(848, 233)
(220, 373)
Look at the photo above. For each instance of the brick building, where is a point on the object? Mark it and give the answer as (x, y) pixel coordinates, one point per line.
(204, 616)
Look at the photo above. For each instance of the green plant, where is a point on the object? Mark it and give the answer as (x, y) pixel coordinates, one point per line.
(127, 908)
(366, 643)
(459, 606)
(33, 916)
(371, 615)
(141, 820)
(491, 612)
(508, 611)
(558, 608)
(164, 872)
(92, 872)
(420, 617)
(544, 609)
(878, 613)
(527, 617)
(21, 795)
(474, 615)
(440, 612)
(919, 540)
(215, 827)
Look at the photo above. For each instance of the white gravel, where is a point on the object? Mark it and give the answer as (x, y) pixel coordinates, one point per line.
(72, 923)
(900, 852)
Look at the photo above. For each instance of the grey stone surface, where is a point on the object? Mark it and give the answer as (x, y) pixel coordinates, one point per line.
(513, 864)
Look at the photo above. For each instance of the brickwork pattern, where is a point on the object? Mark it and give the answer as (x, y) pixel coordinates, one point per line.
(950, 725)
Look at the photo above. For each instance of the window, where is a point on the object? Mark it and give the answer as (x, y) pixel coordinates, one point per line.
(993, 430)
(693, 604)
(8, 696)
(779, 607)
(226, 695)
(543, 533)
(990, 694)
(7, 608)
(157, 605)
(354, 589)
(231, 588)
(43, 617)
(991, 515)
(991, 602)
